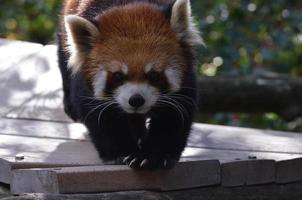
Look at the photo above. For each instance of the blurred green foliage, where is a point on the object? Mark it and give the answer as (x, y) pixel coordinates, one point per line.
(31, 20)
(250, 37)
(243, 37)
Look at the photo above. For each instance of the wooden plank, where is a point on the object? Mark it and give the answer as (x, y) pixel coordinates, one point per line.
(26, 69)
(228, 156)
(46, 106)
(113, 178)
(14, 86)
(291, 191)
(251, 172)
(13, 52)
(191, 174)
(43, 152)
(29, 78)
(233, 138)
(289, 170)
(27, 73)
(4, 191)
(127, 195)
(258, 192)
(52, 152)
(64, 157)
(44, 129)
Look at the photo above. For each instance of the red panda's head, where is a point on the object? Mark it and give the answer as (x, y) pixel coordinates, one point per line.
(132, 53)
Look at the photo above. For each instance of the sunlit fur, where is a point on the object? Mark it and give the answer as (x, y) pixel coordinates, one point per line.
(111, 50)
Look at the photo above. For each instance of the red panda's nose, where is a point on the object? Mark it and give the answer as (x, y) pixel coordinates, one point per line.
(136, 100)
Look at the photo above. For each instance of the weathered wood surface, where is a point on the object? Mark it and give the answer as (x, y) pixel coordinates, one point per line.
(73, 149)
(44, 106)
(235, 172)
(43, 152)
(15, 88)
(33, 125)
(230, 138)
(115, 178)
(30, 81)
(249, 172)
(291, 191)
(43, 129)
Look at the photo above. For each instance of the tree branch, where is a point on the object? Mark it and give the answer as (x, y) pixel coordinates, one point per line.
(279, 94)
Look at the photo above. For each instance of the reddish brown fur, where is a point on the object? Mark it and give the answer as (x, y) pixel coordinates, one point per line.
(136, 34)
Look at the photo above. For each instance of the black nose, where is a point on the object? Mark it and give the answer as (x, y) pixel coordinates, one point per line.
(136, 100)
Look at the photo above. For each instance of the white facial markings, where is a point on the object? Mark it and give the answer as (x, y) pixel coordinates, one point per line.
(116, 68)
(100, 79)
(173, 76)
(148, 92)
(99, 83)
(148, 68)
(124, 69)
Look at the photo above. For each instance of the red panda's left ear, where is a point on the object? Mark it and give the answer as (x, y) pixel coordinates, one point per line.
(81, 34)
(181, 22)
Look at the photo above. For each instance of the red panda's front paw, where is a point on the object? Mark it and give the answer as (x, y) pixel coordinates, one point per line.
(149, 161)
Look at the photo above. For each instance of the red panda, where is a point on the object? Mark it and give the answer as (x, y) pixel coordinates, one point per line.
(128, 75)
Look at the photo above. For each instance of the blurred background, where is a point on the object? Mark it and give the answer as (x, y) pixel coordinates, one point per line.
(244, 38)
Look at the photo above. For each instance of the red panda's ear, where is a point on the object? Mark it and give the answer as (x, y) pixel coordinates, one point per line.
(181, 22)
(81, 34)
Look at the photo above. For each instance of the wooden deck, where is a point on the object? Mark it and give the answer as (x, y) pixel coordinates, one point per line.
(42, 151)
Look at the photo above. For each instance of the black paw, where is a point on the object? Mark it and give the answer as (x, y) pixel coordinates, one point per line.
(149, 161)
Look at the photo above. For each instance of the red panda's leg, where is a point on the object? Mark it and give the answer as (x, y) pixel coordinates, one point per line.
(166, 138)
(114, 134)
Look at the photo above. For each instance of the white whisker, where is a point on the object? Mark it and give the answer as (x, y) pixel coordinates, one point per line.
(94, 109)
(175, 107)
(101, 112)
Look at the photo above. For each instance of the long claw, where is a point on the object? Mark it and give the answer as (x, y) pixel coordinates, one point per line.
(144, 163)
(134, 163)
(127, 159)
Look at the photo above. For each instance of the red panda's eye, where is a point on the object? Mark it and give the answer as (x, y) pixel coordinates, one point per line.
(154, 77)
(118, 77)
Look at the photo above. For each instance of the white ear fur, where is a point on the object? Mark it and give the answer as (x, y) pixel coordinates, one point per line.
(182, 22)
(80, 35)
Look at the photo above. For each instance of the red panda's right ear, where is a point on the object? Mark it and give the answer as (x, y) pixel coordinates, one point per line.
(81, 34)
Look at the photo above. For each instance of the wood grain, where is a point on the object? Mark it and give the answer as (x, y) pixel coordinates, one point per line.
(114, 178)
